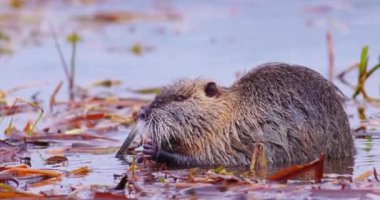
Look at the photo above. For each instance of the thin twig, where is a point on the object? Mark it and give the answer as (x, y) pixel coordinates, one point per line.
(341, 76)
(72, 74)
(331, 55)
(59, 50)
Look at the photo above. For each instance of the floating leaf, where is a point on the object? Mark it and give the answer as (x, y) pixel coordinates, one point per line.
(93, 150)
(56, 160)
(128, 102)
(81, 136)
(80, 171)
(126, 121)
(13, 166)
(28, 171)
(6, 188)
(109, 195)
(107, 83)
(74, 131)
(12, 195)
(95, 116)
(147, 91)
(364, 176)
(48, 181)
(296, 170)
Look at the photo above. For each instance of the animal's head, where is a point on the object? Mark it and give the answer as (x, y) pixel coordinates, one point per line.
(186, 113)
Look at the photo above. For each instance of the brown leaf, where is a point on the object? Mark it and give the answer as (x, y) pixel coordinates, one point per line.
(80, 171)
(296, 170)
(14, 166)
(80, 136)
(28, 171)
(364, 176)
(17, 195)
(93, 150)
(55, 160)
(28, 126)
(126, 121)
(14, 109)
(48, 181)
(128, 102)
(109, 195)
(52, 97)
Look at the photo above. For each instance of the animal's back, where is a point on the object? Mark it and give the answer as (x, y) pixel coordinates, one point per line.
(294, 111)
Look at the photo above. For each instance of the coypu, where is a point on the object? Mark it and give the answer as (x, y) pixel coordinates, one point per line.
(295, 112)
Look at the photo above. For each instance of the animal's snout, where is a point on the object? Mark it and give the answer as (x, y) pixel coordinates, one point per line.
(144, 112)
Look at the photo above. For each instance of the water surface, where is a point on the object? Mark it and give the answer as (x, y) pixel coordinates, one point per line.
(213, 39)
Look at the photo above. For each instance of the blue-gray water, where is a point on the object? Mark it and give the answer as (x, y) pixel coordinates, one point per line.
(213, 39)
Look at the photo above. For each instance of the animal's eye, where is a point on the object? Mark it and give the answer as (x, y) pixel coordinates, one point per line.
(179, 98)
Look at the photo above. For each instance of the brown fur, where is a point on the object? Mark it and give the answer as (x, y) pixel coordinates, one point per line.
(293, 110)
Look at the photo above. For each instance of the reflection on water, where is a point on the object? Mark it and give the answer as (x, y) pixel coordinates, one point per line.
(368, 154)
(189, 38)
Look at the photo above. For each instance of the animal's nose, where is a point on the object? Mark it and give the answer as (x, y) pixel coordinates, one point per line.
(143, 113)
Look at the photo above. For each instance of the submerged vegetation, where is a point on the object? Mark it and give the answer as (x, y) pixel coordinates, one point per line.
(53, 147)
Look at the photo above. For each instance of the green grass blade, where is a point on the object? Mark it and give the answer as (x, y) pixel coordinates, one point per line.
(356, 93)
(373, 70)
(31, 131)
(363, 61)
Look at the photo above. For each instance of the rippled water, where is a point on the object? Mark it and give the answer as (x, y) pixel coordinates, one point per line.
(214, 39)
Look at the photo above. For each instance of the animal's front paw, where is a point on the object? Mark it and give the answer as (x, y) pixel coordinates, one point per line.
(150, 151)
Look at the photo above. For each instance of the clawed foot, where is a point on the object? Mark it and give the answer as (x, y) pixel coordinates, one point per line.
(150, 151)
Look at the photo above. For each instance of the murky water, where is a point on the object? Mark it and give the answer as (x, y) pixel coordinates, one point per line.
(214, 39)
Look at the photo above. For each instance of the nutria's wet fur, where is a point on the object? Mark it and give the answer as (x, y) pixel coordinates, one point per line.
(292, 110)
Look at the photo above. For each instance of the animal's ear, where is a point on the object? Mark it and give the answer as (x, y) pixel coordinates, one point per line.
(211, 89)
